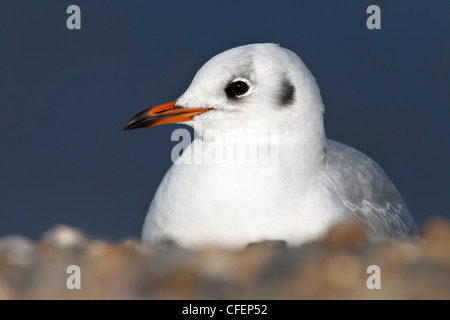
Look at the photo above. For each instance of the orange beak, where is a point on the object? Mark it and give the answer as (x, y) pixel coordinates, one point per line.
(165, 113)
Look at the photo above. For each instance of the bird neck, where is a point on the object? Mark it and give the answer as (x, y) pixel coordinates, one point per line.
(295, 148)
(304, 146)
(303, 134)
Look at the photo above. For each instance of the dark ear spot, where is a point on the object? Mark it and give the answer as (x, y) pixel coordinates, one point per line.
(287, 93)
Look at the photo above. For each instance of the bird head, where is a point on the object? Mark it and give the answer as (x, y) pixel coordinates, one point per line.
(257, 86)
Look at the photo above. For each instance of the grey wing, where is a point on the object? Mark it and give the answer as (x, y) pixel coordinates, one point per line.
(368, 193)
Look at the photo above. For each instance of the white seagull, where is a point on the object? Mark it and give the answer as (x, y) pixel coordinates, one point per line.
(317, 182)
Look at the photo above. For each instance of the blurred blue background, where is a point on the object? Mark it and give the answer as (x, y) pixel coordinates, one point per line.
(65, 96)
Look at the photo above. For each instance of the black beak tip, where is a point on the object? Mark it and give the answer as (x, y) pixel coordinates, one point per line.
(141, 120)
(128, 126)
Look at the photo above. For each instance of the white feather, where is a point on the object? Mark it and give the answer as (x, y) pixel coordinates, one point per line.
(317, 182)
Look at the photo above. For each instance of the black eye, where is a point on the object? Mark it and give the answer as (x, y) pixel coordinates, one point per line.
(237, 88)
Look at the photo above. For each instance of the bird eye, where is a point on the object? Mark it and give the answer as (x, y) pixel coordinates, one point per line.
(237, 88)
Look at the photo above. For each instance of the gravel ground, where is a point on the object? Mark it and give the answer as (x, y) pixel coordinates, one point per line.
(334, 268)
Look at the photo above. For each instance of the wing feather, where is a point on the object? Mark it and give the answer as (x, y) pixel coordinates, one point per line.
(368, 193)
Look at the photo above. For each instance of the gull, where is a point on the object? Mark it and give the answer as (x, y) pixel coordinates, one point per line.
(316, 183)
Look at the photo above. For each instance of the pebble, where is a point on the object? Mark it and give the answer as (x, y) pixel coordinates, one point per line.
(349, 235)
(64, 237)
(332, 268)
(17, 251)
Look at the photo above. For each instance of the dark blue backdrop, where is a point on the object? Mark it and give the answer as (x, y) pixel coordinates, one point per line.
(66, 95)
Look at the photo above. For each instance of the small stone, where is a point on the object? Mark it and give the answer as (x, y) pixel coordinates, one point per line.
(436, 234)
(64, 237)
(214, 265)
(17, 251)
(113, 268)
(136, 245)
(267, 245)
(344, 271)
(180, 283)
(348, 235)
